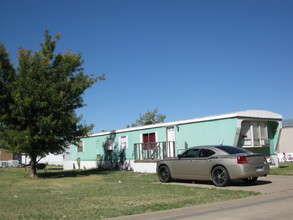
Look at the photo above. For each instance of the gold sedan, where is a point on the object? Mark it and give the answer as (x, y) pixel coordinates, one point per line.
(219, 163)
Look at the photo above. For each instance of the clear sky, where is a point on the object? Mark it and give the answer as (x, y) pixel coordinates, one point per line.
(188, 58)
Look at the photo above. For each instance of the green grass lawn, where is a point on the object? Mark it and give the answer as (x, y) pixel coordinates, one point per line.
(94, 194)
(283, 169)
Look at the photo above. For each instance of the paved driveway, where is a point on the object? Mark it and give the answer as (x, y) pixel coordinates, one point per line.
(269, 184)
(274, 202)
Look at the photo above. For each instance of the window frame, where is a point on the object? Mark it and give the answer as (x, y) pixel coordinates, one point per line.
(148, 144)
(80, 147)
(256, 134)
(121, 138)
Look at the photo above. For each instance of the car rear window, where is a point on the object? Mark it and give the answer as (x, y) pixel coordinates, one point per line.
(232, 150)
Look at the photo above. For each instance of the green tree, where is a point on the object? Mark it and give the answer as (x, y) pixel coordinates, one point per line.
(39, 99)
(150, 117)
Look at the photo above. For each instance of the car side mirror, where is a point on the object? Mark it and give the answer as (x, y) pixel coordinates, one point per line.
(179, 156)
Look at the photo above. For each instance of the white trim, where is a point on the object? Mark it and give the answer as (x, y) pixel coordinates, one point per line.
(258, 114)
(145, 167)
(171, 145)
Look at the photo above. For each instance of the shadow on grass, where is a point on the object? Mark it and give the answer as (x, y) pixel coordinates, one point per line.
(55, 168)
(238, 183)
(72, 173)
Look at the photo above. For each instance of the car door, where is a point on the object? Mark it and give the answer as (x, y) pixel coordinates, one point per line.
(203, 164)
(184, 167)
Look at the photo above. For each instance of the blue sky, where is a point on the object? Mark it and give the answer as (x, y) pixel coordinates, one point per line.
(188, 58)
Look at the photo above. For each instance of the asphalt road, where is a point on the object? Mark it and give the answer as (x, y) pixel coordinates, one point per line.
(274, 202)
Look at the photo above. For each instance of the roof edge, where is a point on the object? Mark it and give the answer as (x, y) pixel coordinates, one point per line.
(262, 114)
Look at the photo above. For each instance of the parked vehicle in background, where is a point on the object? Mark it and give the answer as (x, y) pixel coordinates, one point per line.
(219, 163)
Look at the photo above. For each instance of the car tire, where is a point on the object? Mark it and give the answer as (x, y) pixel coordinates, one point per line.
(164, 174)
(220, 176)
(250, 179)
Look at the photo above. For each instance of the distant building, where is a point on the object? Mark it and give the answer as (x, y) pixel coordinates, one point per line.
(285, 144)
(288, 123)
(8, 159)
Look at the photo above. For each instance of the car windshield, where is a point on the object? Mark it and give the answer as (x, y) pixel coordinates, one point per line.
(232, 150)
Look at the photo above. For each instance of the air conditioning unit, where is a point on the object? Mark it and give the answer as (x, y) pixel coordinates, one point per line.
(110, 147)
(110, 144)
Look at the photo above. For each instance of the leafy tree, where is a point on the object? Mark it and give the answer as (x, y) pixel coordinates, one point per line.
(150, 117)
(39, 98)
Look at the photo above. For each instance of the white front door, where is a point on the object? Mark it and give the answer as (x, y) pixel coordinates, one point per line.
(171, 142)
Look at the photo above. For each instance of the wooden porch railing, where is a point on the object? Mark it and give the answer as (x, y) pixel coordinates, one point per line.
(154, 151)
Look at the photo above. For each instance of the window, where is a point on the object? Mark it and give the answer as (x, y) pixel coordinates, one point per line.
(206, 153)
(149, 141)
(149, 138)
(190, 153)
(232, 150)
(123, 141)
(254, 133)
(263, 133)
(80, 146)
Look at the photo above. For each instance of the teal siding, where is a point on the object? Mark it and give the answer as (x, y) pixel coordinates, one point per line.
(273, 133)
(206, 133)
(89, 151)
(213, 132)
(94, 146)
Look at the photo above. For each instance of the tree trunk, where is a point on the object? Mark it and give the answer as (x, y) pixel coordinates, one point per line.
(33, 166)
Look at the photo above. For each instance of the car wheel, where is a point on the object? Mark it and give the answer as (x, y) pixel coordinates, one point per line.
(164, 174)
(250, 179)
(220, 176)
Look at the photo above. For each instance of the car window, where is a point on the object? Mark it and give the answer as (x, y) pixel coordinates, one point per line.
(232, 150)
(190, 153)
(206, 153)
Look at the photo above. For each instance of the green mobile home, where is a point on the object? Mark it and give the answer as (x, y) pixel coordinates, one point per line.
(138, 148)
